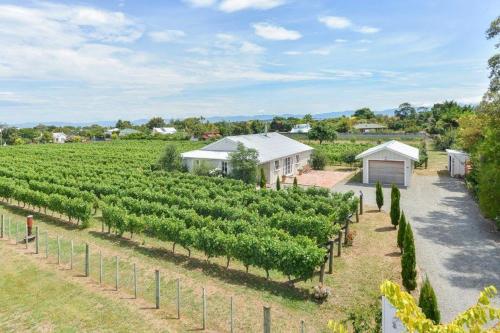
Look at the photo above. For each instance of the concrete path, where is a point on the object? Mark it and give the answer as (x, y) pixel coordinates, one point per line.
(456, 247)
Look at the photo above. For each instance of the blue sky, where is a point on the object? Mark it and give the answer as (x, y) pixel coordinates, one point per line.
(104, 60)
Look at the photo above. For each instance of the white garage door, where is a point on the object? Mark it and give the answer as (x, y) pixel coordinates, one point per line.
(386, 172)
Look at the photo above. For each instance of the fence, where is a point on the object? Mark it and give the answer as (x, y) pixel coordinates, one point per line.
(163, 289)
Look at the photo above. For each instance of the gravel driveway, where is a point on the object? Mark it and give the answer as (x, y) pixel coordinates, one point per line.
(457, 248)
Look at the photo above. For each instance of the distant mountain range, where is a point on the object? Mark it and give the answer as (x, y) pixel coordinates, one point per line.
(110, 123)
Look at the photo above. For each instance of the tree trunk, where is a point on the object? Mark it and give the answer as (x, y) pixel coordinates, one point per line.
(267, 274)
(227, 262)
(173, 248)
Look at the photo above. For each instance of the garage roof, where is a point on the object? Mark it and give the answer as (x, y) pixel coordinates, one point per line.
(395, 146)
(206, 155)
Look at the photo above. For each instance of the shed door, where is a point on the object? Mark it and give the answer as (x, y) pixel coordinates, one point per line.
(386, 172)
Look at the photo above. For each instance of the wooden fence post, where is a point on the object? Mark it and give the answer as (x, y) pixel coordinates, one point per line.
(339, 245)
(117, 272)
(302, 326)
(135, 281)
(330, 262)
(37, 242)
(71, 250)
(178, 298)
(26, 235)
(101, 268)
(58, 250)
(267, 319)
(46, 244)
(347, 222)
(157, 289)
(357, 216)
(204, 301)
(361, 203)
(1, 227)
(231, 328)
(87, 260)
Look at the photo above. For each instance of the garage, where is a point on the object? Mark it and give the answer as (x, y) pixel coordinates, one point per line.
(386, 172)
(391, 162)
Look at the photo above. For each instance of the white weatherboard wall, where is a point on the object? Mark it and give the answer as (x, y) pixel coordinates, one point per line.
(456, 162)
(387, 155)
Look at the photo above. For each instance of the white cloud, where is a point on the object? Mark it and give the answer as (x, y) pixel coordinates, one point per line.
(166, 36)
(335, 22)
(293, 53)
(367, 30)
(324, 51)
(236, 5)
(340, 40)
(226, 37)
(247, 47)
(274, 32)
(201, 3)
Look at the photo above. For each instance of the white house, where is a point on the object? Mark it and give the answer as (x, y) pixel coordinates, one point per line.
(59, 137)
(278, 154)
(164, 130)
(390, 163)
(111, 131)
(457, 162)
(366, 128)
(301, 128)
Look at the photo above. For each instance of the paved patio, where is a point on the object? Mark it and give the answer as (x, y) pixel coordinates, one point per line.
(321, 178)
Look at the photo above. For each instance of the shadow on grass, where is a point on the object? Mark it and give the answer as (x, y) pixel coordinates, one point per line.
(384, 229)
(393, 254)
(229, 275)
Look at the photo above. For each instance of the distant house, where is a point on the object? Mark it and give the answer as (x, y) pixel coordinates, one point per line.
(210, 135)
(59, 137)
(301, 128)
(457, 163)
(111, 131)
(389, 163)
(278, 155)
(164, 130)
(128, 131)
(366, 128)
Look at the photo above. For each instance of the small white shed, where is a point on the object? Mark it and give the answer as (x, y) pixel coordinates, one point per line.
(59, 137)
(389, 163)
(457, 162)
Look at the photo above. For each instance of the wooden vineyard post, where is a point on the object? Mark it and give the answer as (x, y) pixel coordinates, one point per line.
(17, 232)
(204, 303)
(1, 226)
(347, 222)
(37, 241)
(46, 244)
(330, 261)
(267, 319)
(58, 250)
(117, 272)
(8, 229)
(101, 271)
(157, 288)
(87, 260)
(26, 236)
(231, 324)
(302, 326)
(357, 216)
(178, 298)
(71, 250)
(339, 245)
(360, 203)
(135, 281)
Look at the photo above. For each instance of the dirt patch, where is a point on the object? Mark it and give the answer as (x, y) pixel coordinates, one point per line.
(321, 178)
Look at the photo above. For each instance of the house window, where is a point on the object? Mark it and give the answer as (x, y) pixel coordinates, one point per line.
(276, 165)
(288, 165)
(297, 159)
(224, 167)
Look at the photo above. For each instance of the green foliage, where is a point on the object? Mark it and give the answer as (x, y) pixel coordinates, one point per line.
(262, 179)
(428, 302)
(402, 231)
(446, 140)
(318, 160)
(364, 113)
(170, 160)
(203, 168)
(379, 195)
(278, 183)
(295, 183)
(395, 207)
(339, 153)
(156, 122)
(408, 261)
(322, 131)
(365, 319)
(244, 164)
(405, 110)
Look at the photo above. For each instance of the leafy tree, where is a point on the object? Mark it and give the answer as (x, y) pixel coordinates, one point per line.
(262, 179)
(494, 62)
(445, 141)
(379, 195)
(318, 160)
(156, 122)
(322, 131)
(408, 261)
(401, 231)
(405, 110)
(364, 113)
(170, 160)
(202, 169)
(395, 209)
(121, 124)
(428, 302)
(278, 183)
(244, 163)
(307, 118)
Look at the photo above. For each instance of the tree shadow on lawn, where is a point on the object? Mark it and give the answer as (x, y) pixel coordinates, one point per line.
(230, 276)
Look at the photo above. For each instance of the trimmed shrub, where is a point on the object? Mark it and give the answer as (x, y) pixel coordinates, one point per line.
(401, 231)
(395, 209)
(278, 183)
(408, 261)
(262, 180)
(379, 196)
(428, 302)
(318, 160)
(295, 183)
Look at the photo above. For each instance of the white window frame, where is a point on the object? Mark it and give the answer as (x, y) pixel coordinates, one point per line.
(288, 165)
(276, 165)
(224, 167)
(297, 159)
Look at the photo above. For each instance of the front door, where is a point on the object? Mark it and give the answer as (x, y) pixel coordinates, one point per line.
(288, 166)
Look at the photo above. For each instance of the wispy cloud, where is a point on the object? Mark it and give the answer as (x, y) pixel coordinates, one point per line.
(230, 6)
(366, 29)
(166, 36)
(201, 3)
(339, 22)
(274, 32)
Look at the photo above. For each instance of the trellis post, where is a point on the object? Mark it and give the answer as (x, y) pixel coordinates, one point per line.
(58, 250)
(26, 235)
(46, 244)
(157, 289)
(204, 303)
(135, 280)
(267, 319)
(339, 245)
(1, 227)
(37, 242)
(87, 260)
(117, 272)
(178, 296)
(231, 326)
(347, 222)
(330, 262)
(101, 268)
(71, 250)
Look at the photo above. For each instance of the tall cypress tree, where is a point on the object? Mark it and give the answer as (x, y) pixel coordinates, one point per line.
(401, 231)
(262, 181)
(395, 210)
(295, 183)
(379, 196)
(408, 261)
(278, 183)
(428, 302)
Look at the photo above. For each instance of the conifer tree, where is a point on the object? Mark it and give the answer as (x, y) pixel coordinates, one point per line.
(295, 184)
(408, 261)
(262, 181)
(278, 183)
(401, 231)
(395, 209)
(379, 196)
(428, 302)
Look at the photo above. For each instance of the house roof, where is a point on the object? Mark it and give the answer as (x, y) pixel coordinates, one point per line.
(270, 146)
(59, 134)
(164, 130)
(456, 152)
(368, 126)
(206, 155)
(394, 146)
